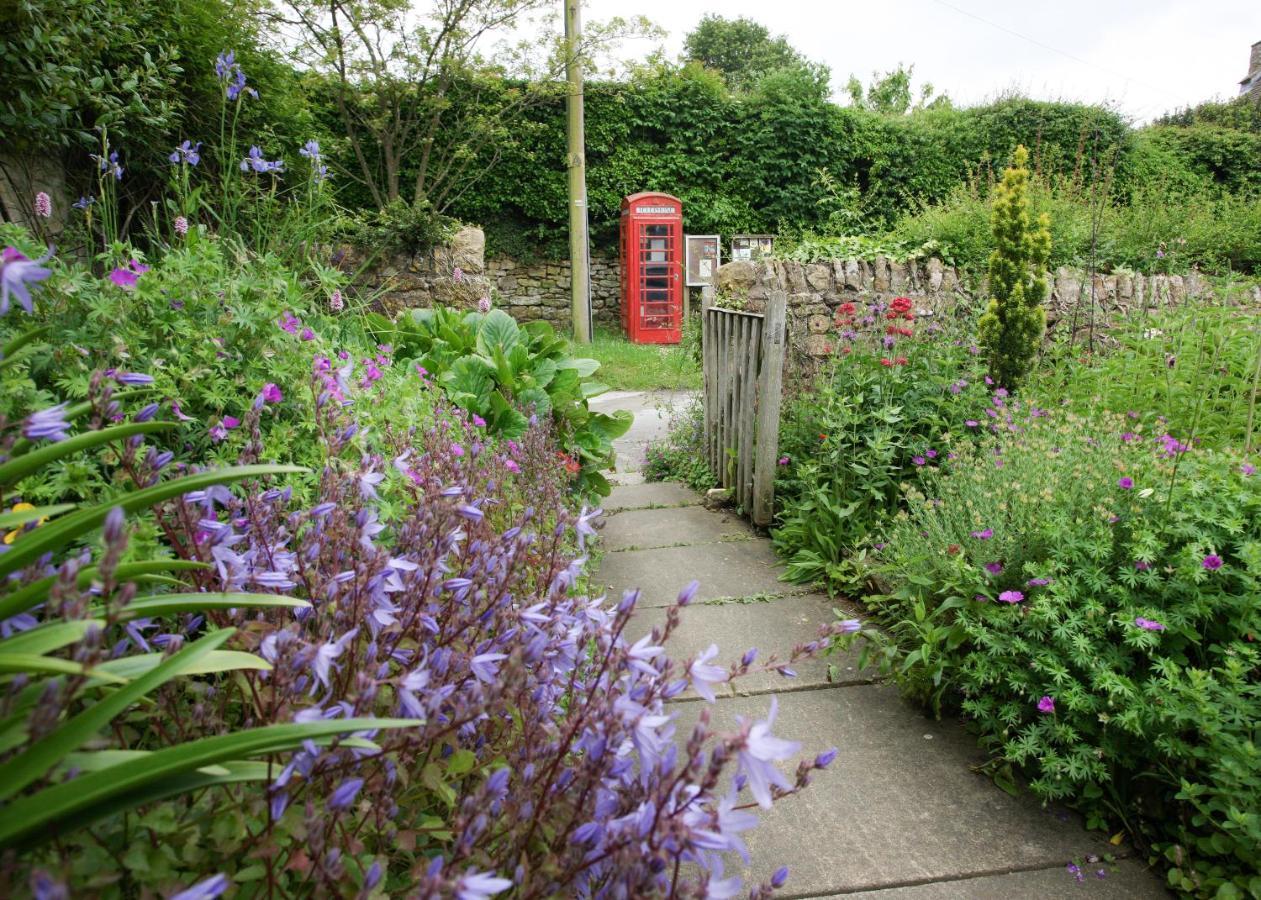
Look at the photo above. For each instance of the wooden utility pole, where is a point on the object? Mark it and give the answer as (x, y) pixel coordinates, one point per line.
(579, 249)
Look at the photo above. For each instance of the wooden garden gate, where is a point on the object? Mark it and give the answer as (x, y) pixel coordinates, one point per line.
(744, 370)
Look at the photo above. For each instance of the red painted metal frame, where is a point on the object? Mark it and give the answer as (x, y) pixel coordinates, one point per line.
(652, 268)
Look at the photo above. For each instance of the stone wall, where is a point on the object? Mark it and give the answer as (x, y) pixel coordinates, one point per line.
(459, 275)
(541, 290)
(816, 289)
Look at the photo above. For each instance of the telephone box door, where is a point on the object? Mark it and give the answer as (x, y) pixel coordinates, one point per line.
(660, 288)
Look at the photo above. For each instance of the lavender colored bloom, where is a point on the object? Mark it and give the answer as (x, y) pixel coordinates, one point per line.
(918, 460)
(109, 165)
(1212, 562)
(335, 301)
(329, 651)
(994, 568)
(17, 273)
(47, 425)
(1037, 582)
(345, 794)
(133, 379)
(480, 886)
(1148, 624)
(704, 676)
(207, 889)
(43, 205)
(181, 229)
(84, 203)
(1247, 469)
(147, 413)
(483, 305)
(757, 760)
(780, 878)
(825, 759)
(483, 666)
(641, 652)
(1046, 704)
(186, 153)
(1011, 596)
(45, 887)
(254, 162)
(271, 393)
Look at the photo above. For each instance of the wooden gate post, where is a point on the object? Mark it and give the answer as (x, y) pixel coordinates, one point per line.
(769, 394)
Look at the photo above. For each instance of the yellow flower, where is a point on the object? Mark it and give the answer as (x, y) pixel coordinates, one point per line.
(22, 507)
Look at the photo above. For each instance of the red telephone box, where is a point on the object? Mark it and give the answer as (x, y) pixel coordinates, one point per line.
(652, 268)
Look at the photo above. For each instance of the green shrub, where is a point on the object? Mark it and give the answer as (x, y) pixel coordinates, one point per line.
(883, 407)
(400, 227)
(1011, 329)
(1086, 596)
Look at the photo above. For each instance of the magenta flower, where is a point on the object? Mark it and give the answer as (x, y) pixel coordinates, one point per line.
(483, 305)
(335, 302)
(272, 393)
(290, 323)
(1125, 483)
(918, 460)
(231, 422)
(1212, 562)
(457, 274)
(984, 535)
(1142, 565)
(783, 460)
(1011, 596)
(1037, 582)
(1248, 469)
(43, 205)
(126, 278)
(307, 334)
(972, 423)
(994, 568)
(181, 226)
(1148, 624)
(479, 421)
(1046, 704)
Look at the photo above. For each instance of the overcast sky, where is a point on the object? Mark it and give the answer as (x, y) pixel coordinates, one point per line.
(1145, 57)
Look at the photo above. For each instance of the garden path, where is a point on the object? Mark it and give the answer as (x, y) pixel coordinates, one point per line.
(901, 813)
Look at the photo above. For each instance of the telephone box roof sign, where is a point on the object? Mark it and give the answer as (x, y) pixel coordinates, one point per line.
(652, 268)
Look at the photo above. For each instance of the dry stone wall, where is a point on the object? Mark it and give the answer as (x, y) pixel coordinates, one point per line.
(815, 290)
(459, 275)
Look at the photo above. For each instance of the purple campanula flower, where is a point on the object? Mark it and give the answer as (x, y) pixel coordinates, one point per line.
(17, 273)
(207, 889)
(47, 425)
(345, 794)
(483, 666)
(322, 665)
(704, 676)
(759, 755)
(476, 885)
(133, 379)
(147, 413)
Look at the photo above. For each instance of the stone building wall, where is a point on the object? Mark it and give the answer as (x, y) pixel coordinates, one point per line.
(815, 290)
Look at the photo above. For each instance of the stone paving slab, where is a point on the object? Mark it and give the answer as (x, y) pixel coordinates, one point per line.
(650, 494)
(735, 569)
(651, 413)
(640, 529)
(773, 626)
(899, 805)
(1126, 879)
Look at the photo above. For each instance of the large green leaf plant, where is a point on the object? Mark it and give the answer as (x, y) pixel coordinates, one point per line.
(502, 371)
